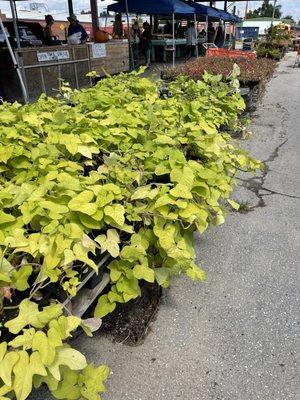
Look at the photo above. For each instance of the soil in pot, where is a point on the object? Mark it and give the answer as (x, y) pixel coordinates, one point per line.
(129, 323)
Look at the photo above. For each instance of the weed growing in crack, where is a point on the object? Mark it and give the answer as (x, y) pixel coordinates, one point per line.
(244, 207)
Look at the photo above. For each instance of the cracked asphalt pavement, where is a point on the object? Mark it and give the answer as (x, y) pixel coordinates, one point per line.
(235, 336)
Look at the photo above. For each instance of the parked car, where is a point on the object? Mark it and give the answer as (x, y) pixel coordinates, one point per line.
(27, 37)
(248, 43)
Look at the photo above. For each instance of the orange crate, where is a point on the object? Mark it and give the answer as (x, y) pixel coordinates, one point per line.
(216, 52)
(241, 53)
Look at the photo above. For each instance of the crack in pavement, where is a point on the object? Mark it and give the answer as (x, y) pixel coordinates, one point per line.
(256, 184)
(273, 156)
(285, 117)
(256, 187)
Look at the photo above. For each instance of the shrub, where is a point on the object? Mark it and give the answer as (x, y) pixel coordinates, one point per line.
(270, 52)
(250, 70)
(275, 44)
(279, 36)
(114, 169)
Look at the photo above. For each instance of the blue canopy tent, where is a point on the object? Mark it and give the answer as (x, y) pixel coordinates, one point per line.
(153, 7)
(171, 7)
(162, 7)
(237, 19)
(212, 14)
(226, 16)
(205, 11)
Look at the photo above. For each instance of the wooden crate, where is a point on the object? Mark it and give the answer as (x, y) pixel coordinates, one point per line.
(43, 76)
(116, 60)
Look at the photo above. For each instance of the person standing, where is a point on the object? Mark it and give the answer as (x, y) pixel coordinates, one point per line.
(191, 40)
(168, 28)
(146, 38)
(75, 28)
(118, 27)
(49, 36)
(135, 34)
(211, 32)
(219, 41)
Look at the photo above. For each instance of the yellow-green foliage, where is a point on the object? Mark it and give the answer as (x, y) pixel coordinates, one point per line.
(39, 354)
(113, 169)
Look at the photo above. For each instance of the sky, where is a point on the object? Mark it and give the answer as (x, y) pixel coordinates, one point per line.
(291, 7)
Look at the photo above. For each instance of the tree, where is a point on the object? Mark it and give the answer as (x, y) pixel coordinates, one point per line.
(266, 10)
(289, 17)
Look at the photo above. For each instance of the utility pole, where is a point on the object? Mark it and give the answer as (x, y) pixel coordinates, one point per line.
(273, 15)
(246, 9)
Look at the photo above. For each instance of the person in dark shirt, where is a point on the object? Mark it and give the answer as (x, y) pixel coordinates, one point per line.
(146, 38)
(211, 32)
(75, 27)
(118, 27)
(219, 41)
(168, 28)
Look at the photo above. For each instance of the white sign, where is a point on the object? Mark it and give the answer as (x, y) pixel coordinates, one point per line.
(53, 55)
(99, 50)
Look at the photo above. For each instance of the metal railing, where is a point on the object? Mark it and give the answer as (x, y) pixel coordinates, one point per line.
(41, 66)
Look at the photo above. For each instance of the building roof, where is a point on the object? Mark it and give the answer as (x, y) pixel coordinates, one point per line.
(263, 19)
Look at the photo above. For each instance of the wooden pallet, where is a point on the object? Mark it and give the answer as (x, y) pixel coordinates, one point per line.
(89, 289)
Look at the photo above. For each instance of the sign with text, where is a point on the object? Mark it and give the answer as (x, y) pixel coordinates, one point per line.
(53, 55)
(99, 50)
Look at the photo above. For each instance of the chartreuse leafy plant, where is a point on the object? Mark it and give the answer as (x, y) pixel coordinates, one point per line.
(115, 169)
(38, 354)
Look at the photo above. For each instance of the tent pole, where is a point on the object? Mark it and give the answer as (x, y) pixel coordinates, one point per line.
(23, 87)
(173, 32)
(95, 16)
(196, 31)
(14, 17)
(131, 57)
(233, 35)
(70, 7)
(207, 29)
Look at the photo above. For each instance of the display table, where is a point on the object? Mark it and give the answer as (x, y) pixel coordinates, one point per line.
(165, 44)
